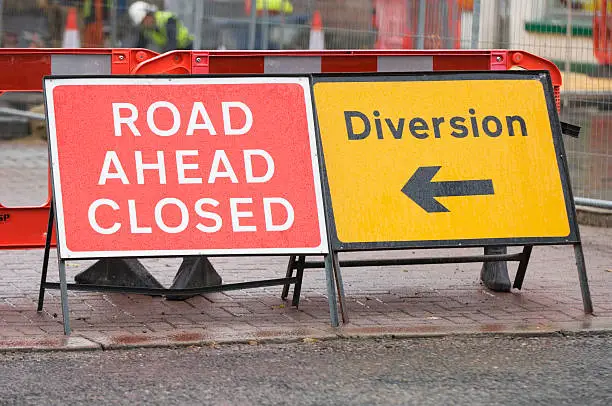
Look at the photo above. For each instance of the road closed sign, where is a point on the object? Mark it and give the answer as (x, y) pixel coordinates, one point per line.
(443, 160)
(184, 166)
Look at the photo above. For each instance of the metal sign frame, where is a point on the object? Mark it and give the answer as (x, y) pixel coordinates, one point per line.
(541, 76)
(51, 82)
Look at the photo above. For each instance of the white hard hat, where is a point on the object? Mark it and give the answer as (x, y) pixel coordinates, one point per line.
(139, 10)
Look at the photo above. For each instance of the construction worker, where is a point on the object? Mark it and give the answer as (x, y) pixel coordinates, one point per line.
(272, 11)
(93, 22)
(161, 28)
(95, 14)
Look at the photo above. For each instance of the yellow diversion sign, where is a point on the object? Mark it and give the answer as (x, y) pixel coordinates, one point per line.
(437, 159)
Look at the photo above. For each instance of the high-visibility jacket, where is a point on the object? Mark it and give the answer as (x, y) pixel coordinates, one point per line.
(159, 36)
(278, 6)
(274, 6)
(594, 5)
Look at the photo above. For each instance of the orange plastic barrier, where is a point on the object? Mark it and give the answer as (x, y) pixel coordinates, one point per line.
(22, 70)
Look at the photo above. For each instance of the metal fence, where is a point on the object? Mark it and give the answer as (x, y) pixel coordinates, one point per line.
(577, 38)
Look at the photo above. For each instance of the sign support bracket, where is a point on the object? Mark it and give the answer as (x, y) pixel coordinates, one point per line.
(331, 291)
(339, 286)
(582, 276)
(295, 262)
(64, 295)
(63, 286)
(45, 267)
(333, 280)
(297, 288)
(522, 268)
(289, 274)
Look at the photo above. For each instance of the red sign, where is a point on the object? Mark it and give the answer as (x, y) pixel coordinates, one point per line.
(184, 166)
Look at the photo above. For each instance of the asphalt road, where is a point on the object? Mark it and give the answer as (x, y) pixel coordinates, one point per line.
(557, 370)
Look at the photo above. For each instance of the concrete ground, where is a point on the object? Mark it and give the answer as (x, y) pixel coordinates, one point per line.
(404, 300)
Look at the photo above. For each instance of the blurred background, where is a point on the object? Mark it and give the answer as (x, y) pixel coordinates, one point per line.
(575, 35)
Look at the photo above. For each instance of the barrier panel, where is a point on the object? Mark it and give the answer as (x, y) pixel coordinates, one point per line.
(26, 229)
(23, 70)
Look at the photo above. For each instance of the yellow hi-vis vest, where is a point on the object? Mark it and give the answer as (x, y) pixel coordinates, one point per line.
(160, 36)
(275, 6)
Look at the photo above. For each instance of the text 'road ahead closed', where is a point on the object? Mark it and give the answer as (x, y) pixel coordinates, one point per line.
(206, 166)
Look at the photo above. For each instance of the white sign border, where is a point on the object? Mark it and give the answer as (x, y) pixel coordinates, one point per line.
(50, 83)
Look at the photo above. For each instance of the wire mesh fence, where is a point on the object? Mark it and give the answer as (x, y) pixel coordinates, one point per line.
(574, 34)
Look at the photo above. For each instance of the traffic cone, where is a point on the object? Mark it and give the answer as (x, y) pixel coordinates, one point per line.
(71, 31)
(317, 38)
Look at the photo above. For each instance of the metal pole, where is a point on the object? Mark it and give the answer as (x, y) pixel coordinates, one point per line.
(339, 287)
(582, 276)
(601, 204)
(289, 274)
(21, 113)
(282, 25)
(421, 25)
(253, 25)
(445, 25)
(113, 23)
(603, 29)
(64, 296)
(1, 22)
(99, 22)
(197, 29)
(266, 26)
(476, 24)
(45, 267)
(568, 42)
(331, 290)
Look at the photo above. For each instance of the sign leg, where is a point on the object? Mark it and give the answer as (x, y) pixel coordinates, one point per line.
(584, 282)
(297, 288)
(340, 287)
(64, 296)
(522, 268)
(331, 291)
(289, 274)
(45, 266)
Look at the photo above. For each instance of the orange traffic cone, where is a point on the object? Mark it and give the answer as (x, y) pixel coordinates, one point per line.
(317, 38)
(71, 31)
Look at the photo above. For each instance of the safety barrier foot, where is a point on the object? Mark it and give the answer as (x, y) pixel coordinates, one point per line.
(118, 272)
(194, 272)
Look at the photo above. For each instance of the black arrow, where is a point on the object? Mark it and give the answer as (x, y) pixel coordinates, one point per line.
(423, 191)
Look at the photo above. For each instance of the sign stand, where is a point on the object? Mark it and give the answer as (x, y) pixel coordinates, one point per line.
(334, 284)
(503, 175)
(63, 286)
(231, 190)
(522, 258)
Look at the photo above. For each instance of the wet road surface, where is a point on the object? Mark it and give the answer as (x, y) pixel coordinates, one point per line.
(489, 370)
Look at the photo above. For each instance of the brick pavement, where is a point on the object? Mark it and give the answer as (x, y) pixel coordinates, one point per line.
(405, 300)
